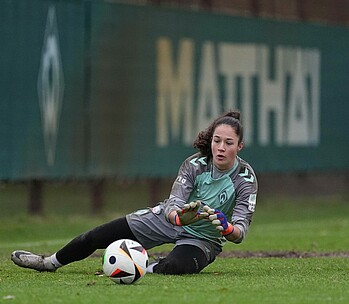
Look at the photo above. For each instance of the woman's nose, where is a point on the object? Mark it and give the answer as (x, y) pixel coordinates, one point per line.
(221, 147)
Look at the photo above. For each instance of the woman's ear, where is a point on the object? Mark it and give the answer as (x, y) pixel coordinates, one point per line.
(240, 146)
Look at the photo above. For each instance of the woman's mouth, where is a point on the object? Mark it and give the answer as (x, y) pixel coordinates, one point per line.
(220, 157)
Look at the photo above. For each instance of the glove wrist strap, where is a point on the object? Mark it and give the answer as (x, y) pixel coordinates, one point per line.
(229, 230)
(177, 220)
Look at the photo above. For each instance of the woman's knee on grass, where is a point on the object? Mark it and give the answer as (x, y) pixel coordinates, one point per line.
(183, 259)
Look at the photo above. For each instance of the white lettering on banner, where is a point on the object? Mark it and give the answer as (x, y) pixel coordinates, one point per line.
(287, 89)
(175, 91)
(208, 95)
(239, 61)
(297, 116)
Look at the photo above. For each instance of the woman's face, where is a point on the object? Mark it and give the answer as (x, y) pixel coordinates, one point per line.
(225, 146)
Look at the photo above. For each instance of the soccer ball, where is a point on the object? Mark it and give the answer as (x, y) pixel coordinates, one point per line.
(125, 261)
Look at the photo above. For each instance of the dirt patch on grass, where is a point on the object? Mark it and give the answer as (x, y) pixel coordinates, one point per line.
(269, 254)
(281, 254)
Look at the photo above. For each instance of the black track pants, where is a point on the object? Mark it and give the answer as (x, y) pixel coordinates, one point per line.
(183, 259)
(97, 238)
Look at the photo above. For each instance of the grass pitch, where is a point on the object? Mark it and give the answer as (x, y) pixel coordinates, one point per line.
(316, 226)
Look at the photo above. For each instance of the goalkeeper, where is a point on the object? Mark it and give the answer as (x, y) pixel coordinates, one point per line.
(212, 201)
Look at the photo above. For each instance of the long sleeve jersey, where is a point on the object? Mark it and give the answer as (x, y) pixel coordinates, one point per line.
(233, 192)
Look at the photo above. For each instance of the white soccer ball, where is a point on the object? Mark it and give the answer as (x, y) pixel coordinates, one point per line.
(125, 261)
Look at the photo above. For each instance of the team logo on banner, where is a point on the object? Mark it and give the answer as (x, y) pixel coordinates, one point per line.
(50, 85)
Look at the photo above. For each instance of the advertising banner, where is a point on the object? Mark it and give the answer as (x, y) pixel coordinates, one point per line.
(98, 89)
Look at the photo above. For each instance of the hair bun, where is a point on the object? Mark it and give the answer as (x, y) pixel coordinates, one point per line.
(234, 114)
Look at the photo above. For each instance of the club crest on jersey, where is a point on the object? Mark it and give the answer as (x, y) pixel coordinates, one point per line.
(223, 197)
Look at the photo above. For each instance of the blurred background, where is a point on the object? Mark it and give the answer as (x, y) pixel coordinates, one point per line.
(100, 101)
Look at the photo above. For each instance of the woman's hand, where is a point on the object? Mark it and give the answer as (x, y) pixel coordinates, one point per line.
(219, 220)
(189, 214)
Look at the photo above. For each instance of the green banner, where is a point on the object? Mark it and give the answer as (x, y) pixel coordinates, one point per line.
(42, 89)
(92, 88)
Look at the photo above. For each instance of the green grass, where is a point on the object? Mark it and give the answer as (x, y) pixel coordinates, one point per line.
(281, 224)
(226, 281)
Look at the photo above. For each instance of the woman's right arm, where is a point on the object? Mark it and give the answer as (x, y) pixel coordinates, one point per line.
(180, 192)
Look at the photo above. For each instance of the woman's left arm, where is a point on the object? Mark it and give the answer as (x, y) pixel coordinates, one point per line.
(245, 205)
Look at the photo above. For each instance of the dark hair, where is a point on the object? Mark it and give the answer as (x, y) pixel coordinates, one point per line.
(203, 140)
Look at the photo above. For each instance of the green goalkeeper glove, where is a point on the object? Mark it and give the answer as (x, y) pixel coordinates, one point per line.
(189, 214)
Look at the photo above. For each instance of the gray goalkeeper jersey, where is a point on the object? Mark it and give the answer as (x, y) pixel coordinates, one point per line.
(233, 192)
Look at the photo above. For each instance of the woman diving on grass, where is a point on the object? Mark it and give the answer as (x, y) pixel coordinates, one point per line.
(212, 200)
